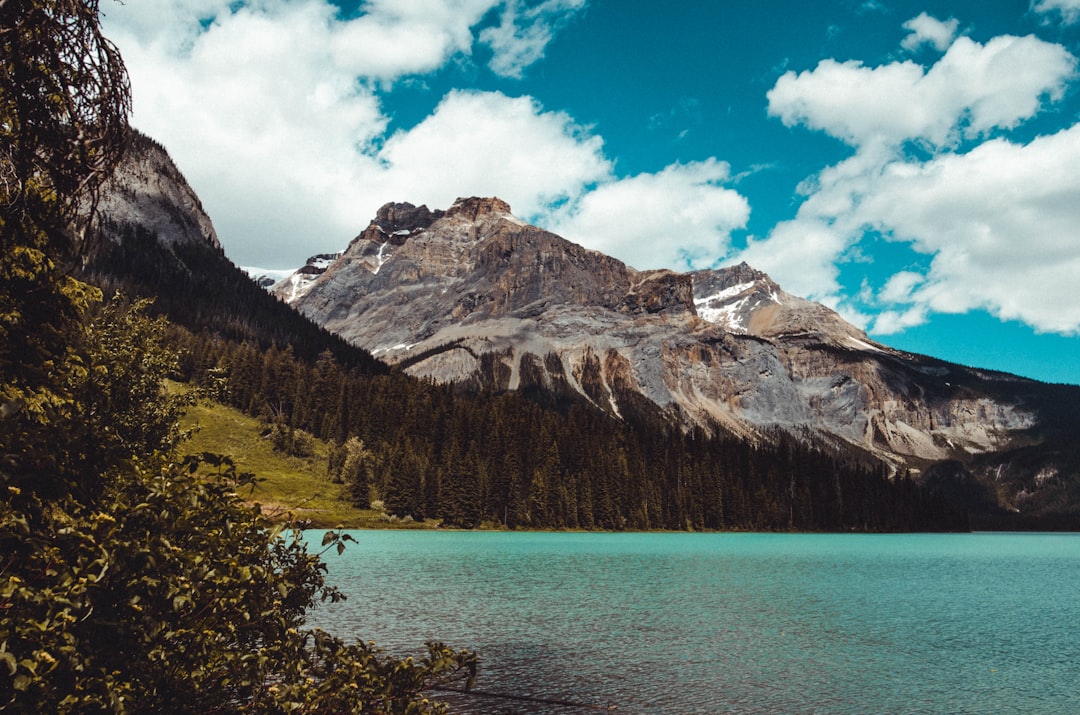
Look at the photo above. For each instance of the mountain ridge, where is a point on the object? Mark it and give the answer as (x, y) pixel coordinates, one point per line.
(156, 241)
(476, 297)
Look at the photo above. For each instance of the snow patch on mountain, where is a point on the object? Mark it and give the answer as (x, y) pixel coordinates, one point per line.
(380, 257)
(718, 308)
(729, 316)
(295, 286)
(726, 293)
(863, 345)
(267, 277)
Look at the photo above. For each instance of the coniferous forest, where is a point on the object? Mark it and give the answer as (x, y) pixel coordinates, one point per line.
(431, 452)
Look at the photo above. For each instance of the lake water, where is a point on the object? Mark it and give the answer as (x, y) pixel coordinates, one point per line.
(730, 623)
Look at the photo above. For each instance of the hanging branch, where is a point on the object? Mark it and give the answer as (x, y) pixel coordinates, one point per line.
(64, 105)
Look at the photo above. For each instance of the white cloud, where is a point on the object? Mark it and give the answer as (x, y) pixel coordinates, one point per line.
(486, 144)
(973, 89)
(900, 286)
(1068, 10)
(801, 256)
(1001, 223)
(997, 221)
(927, 30)
(890, 322)
(524, 32)
(681, 217)
(271, 110)
(262, 118)
(391, 39)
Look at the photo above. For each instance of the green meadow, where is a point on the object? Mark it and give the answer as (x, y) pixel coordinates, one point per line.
(287, 486)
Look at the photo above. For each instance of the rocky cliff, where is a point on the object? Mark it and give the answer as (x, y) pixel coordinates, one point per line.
(472, 295)
(148, 191)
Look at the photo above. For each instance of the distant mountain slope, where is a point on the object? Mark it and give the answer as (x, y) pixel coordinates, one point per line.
(474, 296)
(157, 241)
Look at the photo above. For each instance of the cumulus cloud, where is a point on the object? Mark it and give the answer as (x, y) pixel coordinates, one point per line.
(681, 217)
(971, 90)
(485, 144)
(900, 287)
(1001, 224)
(262, 117)
(927, 30)
(801, 255)
(996, 218)
(890, 322)
(272, 110)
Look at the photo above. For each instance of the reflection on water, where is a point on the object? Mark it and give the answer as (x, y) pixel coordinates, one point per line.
(730, 623)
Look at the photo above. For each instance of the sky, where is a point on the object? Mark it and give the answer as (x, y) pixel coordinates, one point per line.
(914, 165)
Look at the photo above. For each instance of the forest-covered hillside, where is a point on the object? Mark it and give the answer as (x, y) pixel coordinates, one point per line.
(427, 451)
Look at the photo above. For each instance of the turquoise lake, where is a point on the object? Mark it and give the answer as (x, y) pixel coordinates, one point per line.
(729, 623)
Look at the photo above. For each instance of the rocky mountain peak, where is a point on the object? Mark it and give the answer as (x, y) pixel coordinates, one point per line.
(732, 298)
(395, 222)
(745, 273)
(744, 300)
(474, 207)
(404, 219)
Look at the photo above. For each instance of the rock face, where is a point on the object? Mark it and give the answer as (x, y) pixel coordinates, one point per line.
(475, 296)
(148, 191)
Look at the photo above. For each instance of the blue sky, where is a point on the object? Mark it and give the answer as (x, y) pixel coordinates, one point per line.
(913, 165)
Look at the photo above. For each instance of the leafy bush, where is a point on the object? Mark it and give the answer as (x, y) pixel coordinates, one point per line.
(293, 442)
(177, 597)
(151, 586)
(131, 580)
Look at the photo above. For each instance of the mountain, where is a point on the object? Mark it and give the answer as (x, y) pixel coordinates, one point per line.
(475, 297)
(156, 241)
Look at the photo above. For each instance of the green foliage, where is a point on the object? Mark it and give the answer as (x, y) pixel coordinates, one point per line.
(351, 464)
(287, 487)
(177, 597)
(131, 580)
(152, 586)
(126, 411)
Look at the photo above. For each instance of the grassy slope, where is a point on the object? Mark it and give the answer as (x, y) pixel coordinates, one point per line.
(290, 484)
